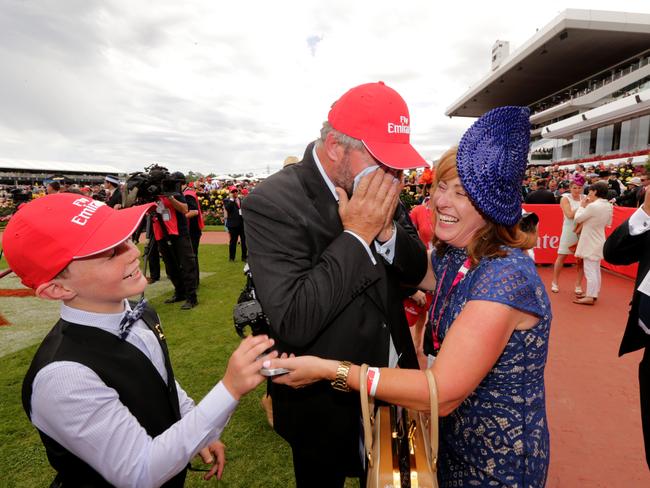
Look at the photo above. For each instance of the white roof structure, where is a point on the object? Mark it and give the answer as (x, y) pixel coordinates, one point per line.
(573, 46)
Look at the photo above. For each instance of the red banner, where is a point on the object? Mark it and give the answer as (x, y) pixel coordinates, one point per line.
(550, 229)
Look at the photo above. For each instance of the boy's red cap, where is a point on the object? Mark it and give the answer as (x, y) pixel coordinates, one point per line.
(46, 234)
(379, 117)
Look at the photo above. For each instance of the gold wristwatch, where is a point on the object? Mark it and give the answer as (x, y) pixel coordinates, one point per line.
(341, 381)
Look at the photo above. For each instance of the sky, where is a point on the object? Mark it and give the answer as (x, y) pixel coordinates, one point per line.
(236, 87)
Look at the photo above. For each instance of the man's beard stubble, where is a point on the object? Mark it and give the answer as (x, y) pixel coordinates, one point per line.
(344, 177)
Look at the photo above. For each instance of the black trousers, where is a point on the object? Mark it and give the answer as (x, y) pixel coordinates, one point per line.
(195, 239)
(153, 259)
(644, 390)
(180, 264)
(237, 233)
(316, 473)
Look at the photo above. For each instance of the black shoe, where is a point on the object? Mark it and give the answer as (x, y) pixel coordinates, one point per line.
(189, 304)
(175, 298)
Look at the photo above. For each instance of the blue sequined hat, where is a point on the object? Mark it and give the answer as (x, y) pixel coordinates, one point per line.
(491, 162)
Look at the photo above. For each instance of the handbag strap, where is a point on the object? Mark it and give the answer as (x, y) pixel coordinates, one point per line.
(433, 421)
(365, 413)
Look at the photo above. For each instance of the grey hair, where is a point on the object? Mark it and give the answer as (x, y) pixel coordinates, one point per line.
(345, 140)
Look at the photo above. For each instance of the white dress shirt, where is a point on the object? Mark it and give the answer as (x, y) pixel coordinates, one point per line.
(73, 406)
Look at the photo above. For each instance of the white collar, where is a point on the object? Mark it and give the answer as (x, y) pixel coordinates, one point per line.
(328, 182)
(105, 321)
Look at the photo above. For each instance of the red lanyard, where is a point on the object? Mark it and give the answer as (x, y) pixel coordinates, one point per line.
(459, 277)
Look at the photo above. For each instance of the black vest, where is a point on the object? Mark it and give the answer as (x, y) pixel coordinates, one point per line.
(121, 366)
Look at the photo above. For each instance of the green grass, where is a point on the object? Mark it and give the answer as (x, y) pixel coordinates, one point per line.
(200, 343)
(212, 228)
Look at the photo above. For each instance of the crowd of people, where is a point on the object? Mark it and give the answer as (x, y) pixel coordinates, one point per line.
(333, 254)
(626, 182)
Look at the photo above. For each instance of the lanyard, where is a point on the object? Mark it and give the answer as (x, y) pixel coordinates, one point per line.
(459, 277)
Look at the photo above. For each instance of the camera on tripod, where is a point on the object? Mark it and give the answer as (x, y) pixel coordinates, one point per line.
(248, 313)
(145, 187)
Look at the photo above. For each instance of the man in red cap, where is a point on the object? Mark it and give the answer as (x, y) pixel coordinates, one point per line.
(329, 244)
(100, 389)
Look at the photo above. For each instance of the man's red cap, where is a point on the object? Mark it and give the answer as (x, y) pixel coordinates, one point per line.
(46, 234)
(233, 188)
(379, 117)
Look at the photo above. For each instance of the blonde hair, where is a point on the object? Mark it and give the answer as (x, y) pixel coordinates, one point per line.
(490, 239)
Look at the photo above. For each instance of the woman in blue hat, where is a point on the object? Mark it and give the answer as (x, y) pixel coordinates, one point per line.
(489, 324)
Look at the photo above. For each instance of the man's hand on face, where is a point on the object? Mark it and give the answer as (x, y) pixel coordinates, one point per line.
(371, 208)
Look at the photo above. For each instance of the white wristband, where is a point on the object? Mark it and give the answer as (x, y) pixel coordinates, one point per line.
(372, 380)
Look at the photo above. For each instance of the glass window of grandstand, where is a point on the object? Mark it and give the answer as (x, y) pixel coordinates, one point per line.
(616, 137)
(593, 137)
(581, 145)
(604, 142)
(630, 136)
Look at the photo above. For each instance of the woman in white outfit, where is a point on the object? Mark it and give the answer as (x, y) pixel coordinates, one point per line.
(595, 213)
(569, 203)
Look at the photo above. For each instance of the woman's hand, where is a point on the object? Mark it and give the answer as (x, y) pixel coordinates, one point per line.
(420, 298)
(305, 370)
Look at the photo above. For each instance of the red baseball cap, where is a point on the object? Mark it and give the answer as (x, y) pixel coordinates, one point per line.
(233, 188)
(379, 117)
(46, 234)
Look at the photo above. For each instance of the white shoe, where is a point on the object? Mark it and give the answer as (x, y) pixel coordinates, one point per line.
(554, 287)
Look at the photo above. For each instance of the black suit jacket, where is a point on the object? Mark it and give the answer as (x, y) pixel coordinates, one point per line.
(323, 296)
(541, 196)
(622, 248)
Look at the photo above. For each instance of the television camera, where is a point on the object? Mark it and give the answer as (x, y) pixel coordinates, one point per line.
(146, 186)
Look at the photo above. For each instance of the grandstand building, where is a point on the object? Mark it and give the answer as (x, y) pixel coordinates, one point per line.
(22, 172)
(586, 79)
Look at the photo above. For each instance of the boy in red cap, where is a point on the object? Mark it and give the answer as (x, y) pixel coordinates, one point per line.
(100, 389)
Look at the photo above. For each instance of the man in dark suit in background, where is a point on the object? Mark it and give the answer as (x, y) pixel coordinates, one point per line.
(234, 223)
(327, 266)
(628, 244)
(541, 195)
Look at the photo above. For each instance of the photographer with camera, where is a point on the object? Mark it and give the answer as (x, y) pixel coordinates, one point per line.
(170, 228)
(171, 231)
(195, 221)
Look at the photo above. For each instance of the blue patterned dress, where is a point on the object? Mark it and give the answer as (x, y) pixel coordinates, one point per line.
(498, 436)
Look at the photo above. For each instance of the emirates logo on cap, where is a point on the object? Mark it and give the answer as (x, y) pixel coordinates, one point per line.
(89, 208)
(402, 128)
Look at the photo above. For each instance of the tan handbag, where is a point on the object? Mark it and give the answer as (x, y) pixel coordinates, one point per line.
(401, 444)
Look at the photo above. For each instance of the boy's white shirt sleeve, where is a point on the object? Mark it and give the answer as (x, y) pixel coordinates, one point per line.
(73, 406)
(185, 402)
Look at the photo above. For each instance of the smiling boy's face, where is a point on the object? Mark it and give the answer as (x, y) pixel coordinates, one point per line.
(100, 283)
